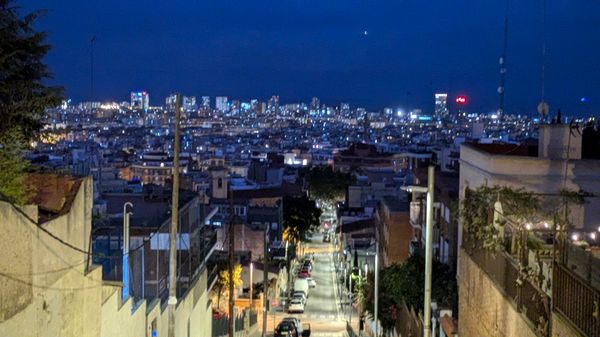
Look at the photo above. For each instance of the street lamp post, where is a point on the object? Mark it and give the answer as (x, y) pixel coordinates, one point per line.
(376, 309)
(125, 267)
(428, 246)
(251, 281)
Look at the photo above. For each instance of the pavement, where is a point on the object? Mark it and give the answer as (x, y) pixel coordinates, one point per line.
(323, 309)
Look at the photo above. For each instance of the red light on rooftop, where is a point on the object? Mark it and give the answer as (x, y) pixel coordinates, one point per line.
(461, 100)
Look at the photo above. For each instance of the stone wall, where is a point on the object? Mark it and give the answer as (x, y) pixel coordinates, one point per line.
(484, 311)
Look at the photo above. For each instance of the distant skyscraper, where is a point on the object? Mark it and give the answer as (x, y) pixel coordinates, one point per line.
(273, 104)
(345, 107)
(315, 104)
(441, 105)
(206, 102)
(221, 103)
(140, 100)
(170, 102)
(189, 103)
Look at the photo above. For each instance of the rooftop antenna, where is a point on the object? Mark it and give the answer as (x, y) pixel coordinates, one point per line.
(502, 63)
(543, 107)
(92, 41)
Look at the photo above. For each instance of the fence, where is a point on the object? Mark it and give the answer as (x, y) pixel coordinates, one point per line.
(577, 301)
(521, 292)
(220, 326)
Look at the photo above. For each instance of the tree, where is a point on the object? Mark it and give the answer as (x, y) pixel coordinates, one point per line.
(23, 95)
(300, 217)
(224, 280)
(403, 283)
(326, 184)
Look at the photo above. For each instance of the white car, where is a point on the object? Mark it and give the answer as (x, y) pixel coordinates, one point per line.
(301, 295)
(311, 283)
(296, 305)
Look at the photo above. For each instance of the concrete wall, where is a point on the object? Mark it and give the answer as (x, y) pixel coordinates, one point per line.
(45, 289)
(484, 311)
(560, 327)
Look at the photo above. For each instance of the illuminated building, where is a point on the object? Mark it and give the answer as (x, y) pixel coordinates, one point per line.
(221, 103)
(189, 103)
(170, 102)
(140, 100)
(206, 102)
(441, 105)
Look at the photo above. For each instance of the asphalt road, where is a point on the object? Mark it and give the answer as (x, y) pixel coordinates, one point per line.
(322, 306)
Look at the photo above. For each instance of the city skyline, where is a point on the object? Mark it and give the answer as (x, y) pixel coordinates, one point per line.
(300, 50)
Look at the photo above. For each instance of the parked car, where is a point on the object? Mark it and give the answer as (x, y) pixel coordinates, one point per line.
(304, 273)
(218, 314)
(296, 305)
(311, 282)
(307, 265)
(285, 328)
(301, 295)
(295, 321)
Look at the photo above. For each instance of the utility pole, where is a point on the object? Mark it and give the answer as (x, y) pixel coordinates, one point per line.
(92, 41)
(231, 262)
(265, 280)
(172, 303)
(376, 304)
(428, 251)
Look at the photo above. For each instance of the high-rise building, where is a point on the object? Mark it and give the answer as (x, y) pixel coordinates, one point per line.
(273, 104)
(441, 104)
(345, 107)
(140, 100)
(206, 102)
(189, 104)
(221, 103)
(315, 104)
(170, 102)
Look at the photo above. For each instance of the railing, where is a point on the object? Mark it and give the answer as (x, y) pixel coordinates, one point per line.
(577, 301)
(253, 317)
(583, 263)
(503, 270)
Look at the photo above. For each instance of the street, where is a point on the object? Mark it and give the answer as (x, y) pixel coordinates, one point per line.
(322, 309)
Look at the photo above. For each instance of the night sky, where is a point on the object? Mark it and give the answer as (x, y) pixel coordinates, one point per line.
(304, 48)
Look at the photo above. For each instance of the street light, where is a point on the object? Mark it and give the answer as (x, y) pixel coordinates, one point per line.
(428, 245)
(251, 281)
(125, 267)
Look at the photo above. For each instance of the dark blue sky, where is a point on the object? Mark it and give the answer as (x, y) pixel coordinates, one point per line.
(304, 48)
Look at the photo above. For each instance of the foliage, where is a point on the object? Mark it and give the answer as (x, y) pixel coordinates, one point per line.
(23, 94)
(519, 207)
(223, 280)
(12, 168)
(403, 284)
(477, 211)
(326, 184)
(300, 218)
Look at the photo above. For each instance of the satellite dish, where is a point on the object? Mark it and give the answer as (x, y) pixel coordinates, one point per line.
(543, 109)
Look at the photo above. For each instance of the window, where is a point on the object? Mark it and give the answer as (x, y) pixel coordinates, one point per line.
(220, 183)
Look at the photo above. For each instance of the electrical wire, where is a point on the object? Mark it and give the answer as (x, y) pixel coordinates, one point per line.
(10, 277)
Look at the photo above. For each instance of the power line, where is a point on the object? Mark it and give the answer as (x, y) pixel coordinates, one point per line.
(8, 276)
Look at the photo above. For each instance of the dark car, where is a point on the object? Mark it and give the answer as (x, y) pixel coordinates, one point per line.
(286, 329)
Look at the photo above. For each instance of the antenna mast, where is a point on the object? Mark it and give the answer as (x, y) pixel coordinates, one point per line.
(502, 63)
